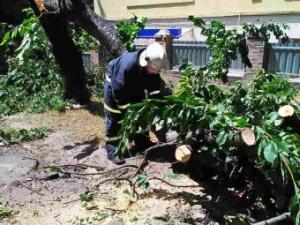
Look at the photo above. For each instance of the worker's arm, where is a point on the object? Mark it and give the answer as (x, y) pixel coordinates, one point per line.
(121, 97)
(159, 89)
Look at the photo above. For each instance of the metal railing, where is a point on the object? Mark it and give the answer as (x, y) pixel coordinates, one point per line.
(284, 58)
(197, 53)
(281, 58)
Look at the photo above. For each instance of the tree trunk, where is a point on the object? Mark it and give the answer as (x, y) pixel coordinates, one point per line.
(67, 55)
(3, 65)
(54, 21)
(68, 58)
(101, 29)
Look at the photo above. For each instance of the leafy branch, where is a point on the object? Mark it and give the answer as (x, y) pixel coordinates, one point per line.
(128, 31)
(224, 44)
(198, 106)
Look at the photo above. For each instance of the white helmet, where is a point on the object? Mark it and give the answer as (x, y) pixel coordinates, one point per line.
(154, 54)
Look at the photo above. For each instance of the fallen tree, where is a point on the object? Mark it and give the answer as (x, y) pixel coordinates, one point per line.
(55, 16)
(242, 123)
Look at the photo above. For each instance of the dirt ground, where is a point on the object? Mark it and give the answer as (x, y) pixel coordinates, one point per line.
(76, 137)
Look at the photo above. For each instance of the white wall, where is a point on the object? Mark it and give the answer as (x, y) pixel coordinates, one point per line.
(292, 20)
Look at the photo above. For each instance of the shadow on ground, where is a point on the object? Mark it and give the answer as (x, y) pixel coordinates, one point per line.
(96, 108)
(91, 146)
(244, 197)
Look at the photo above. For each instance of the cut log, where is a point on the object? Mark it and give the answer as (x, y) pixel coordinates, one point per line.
(153, 138)
(290, 118)
(248, 136)
(183, 153)
(286, 111)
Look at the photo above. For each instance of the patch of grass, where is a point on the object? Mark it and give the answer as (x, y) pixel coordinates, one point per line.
(98, 218)
(134, 219)
(87, 200)
(5, 212)
(83, 221)
(86, 196)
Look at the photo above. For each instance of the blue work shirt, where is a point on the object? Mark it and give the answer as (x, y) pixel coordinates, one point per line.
(130, 83)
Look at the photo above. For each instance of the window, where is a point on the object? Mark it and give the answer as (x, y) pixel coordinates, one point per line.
(147, 3)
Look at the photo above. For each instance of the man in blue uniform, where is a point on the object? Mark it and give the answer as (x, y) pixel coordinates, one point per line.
(130, 78)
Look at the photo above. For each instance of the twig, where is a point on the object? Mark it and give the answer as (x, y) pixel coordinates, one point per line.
(147, 153)
(29, 157)
(140, 156)
(116, 179)
(123, 173)
(29, 188)
(232, 171)
(57, 215)
(71, 201)
(115, 210)
(131, 183)
(173, 185)
(80, 165)
(97, 173)
(274, 220)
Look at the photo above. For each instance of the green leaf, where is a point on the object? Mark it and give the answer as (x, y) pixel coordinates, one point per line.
(86, 196)
(52, 170)
(6, 39)
(142, 181)
(282, 146)
(284, 173)
(221, 138)
(278, 122)
(127, 31)
(241, 122)
(100, 216)
(271, 152)
(297, 220)
(294, 206)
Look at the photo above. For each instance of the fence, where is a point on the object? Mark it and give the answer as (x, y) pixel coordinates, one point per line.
(195, 52)
(280, 58)
(284, 58)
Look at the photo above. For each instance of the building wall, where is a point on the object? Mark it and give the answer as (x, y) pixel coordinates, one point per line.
(174, 13)
(174, 9)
